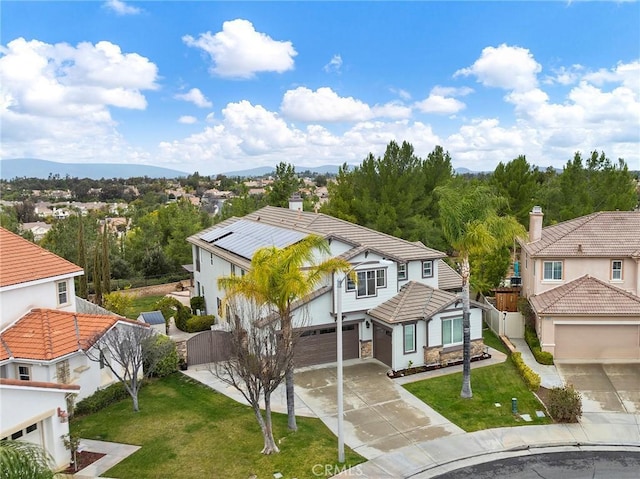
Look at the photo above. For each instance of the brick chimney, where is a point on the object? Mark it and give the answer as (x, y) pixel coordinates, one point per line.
(535, 224)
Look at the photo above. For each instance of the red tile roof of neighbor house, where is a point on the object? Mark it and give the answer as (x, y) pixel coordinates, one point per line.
(586, 296)
(606, 233)
(37, 384)
(46, 334)
(22, 261)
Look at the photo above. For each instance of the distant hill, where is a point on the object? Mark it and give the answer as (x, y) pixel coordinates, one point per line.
(266, 170)
(34, 168)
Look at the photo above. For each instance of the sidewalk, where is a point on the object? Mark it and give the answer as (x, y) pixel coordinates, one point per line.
(549, 377)
(114, 451)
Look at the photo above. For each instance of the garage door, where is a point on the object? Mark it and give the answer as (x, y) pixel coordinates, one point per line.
(597, 342)
(318, 346)
(382, 345)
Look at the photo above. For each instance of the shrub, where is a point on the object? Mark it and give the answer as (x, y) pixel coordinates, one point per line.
(542, 357)
(527, 311)
(200, 323)
(181, 317)
(197, 303)
(101, 399)
(531, 379)
(169, 363)
(565, 404)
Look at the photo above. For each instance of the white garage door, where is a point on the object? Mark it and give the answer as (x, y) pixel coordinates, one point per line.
(597, 342)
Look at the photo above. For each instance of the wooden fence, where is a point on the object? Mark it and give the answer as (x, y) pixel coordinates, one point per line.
(208, 347)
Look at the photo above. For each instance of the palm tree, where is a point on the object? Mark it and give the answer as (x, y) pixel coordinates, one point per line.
(24, 460)
(278, 278)
(472, 225)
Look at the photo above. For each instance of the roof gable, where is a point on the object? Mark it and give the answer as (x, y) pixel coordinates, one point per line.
(22, 261)
(586, 296)
(606, 233)
(46, 334)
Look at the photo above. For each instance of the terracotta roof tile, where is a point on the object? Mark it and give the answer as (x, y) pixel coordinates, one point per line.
(38, 384)
(606, 233)
(46, 334)
(22, 261)
(587, 296)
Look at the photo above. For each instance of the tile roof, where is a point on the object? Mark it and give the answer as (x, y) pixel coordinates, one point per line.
(606, 233)
(329, 227)
(46, 334)
(38, 384)
(448, 278)
(414, 301)
(586, 296)
(22, 261)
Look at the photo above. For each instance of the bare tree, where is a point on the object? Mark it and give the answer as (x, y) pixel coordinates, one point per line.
(125, 349)
(259, 363)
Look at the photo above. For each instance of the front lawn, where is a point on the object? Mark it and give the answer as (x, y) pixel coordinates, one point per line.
(187, 430)
(142, 304)
(490, 385)
(493, 341)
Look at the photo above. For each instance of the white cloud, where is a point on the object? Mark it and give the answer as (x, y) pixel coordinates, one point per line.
(187, 120)
(334, 65)
(403, 94)
(565, 75)
(511, 68)
(196, 97)
(239, 51)
(441, 101)
(121, 8)
(57, 98)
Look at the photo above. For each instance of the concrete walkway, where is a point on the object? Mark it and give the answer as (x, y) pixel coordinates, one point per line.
(549, 377)
(115, 453)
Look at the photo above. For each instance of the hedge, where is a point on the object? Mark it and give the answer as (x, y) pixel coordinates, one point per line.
(199, 323)
(101, 399)
(543, 357)
(531, 379)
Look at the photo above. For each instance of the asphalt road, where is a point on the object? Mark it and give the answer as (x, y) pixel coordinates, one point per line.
(561, 465)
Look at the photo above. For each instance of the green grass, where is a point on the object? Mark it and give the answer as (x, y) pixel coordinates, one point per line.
(187, 430)
(142, 304)
(490, 339)
(491, 384)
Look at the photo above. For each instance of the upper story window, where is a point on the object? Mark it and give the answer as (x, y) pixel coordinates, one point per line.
(616, 270)
(24, 373)
(63, 295)
(552, 270)
(427, 269)
(402, 271)
(198, 250)
(211, 254)
(233, 269)
(368, 282)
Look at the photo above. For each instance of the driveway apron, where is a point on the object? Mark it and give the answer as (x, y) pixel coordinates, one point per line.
(605, 387)
(380, 415)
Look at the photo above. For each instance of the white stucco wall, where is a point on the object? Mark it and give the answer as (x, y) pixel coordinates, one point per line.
(16, 301)
(22, 406)
(400, 360)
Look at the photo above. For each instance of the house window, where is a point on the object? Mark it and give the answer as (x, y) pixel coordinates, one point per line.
(63, 297)
(409, 335)
(16, 435)
(24, 373)
(32, 428)
(427, 269)
(381, 278)
(211, 258)
(451, 331)
(367, 282)
(198, 259)
(233, 270)
(616, 270)
(402, 271)
(552, 270)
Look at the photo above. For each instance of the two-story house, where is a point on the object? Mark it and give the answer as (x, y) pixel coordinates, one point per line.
(403, 309)
(582, 279)
(43, 338)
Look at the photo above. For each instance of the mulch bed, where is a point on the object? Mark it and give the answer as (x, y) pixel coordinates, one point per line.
(84, 458)
(421, 369)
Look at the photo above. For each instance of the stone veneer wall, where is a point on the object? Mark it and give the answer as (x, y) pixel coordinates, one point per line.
(437, 354)
(366, 349)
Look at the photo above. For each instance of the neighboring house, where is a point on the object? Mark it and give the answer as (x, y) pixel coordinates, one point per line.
(376, 321)
(43, 339)
(38, 228)
(582, 278)
(155, 319)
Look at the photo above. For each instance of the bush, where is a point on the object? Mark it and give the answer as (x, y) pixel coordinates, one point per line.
(181, 317)
(531, 379)
(169, 363)
(565, 404)
(199, 323)
(197, 303)
(530, 336)
(101, 399)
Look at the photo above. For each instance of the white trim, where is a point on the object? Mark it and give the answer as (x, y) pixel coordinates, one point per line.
(600, 323)
(24, 424)
(36, 282)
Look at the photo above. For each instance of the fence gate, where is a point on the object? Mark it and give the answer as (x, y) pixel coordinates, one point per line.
(208, 347)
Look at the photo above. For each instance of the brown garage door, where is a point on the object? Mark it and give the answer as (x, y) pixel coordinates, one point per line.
(382, 344)
(317, 346)
(597, 342)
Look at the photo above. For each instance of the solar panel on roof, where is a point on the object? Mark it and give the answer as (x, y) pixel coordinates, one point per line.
(244, 237)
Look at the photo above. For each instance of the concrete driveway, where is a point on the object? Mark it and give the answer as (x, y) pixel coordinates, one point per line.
(605, 387)
(380, 415)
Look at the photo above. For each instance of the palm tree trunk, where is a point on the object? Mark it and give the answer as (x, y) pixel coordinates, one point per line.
(466, 331)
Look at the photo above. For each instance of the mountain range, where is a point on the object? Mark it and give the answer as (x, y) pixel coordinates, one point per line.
(36, 168)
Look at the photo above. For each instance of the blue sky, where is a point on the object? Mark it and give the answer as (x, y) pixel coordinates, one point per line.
(224, 86)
